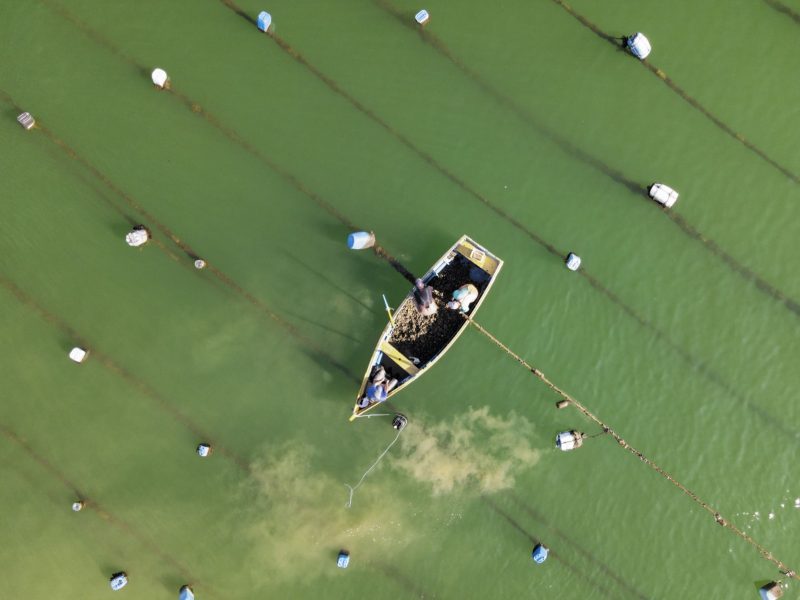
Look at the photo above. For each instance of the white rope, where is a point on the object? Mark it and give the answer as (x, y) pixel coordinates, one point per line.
(367, 472)
(372, 415)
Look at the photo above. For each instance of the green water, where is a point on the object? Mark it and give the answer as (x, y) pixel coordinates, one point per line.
(691, 361)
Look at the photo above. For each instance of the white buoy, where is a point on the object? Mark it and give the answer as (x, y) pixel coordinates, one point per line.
(573, 261)
(771, 591)
(638, 45)
(26, 120)
(137, 236)
(264, 21)
(569, 440)
(663, 194)
(118, 581)
(78, 354)
(422, 17)
(160, 78)
(78, 505)
(203, 450)
(199, 264)
(360, 240)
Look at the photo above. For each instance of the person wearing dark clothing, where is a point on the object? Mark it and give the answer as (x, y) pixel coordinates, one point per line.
(423, 299)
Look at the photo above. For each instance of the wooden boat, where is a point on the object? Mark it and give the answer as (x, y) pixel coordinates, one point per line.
(411, 343)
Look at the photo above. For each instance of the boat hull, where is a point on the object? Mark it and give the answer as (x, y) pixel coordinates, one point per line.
(411, 343)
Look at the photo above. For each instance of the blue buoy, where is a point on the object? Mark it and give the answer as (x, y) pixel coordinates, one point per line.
(185, 593)
(343, 560)
(539, 554)
(264, 21)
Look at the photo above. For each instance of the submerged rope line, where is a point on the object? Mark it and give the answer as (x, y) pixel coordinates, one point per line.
(569, 148)
(766, 554)
(782, 8)
(694, 103)
(368, 471)
(94, 505)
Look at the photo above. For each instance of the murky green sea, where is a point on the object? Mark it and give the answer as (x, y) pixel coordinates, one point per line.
(515, 123)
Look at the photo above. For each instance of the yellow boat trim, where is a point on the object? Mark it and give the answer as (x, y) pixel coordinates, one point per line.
(477, 257)
(397, 357)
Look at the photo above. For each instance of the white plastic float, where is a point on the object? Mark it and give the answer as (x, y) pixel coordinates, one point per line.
(638, 45)
(160, 78)
(569, 440)
(78, 354)
(771, 591)
(203, 450)
(663, 194)
(573, 261)
(26, 120)
(137, 236)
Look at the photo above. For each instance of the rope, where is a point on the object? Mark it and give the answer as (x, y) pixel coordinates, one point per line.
(766, 554)
(381, 252)
(367, 472)
(369, 416)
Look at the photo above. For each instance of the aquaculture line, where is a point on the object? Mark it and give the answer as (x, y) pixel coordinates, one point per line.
(606, 429)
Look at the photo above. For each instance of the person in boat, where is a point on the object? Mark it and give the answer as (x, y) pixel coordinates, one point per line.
(463, 297)
(378, 389)
(423, 299)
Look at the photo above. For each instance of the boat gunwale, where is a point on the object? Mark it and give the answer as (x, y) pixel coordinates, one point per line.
(384, 337)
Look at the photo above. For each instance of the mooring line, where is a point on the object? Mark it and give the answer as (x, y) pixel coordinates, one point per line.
(600, 166)
(718, 518)
(323, 277)
(613, 575)
(287, 175)
(760, 283)
(410, 583)
(784, 9)
(683, 94)
(534, 540)
(566, 146)
(190, 252)
(106, 361)
(98, 38)
(95, 506)
(369, 470)
(228, 132)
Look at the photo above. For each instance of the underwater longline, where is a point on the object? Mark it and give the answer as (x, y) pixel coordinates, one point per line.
(718, 518)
